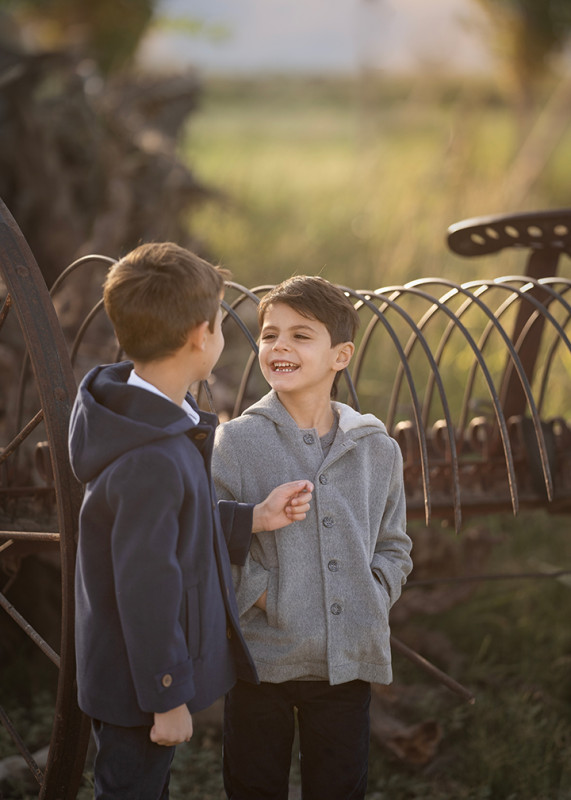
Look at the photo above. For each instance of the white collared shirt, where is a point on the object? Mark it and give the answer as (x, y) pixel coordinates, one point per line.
(136, 380)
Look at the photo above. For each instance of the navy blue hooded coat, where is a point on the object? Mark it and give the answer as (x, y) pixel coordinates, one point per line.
(156, 618)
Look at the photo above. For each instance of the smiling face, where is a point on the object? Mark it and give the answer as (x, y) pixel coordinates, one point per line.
(296, 356)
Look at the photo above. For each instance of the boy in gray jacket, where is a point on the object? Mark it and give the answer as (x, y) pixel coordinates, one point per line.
(314, 605)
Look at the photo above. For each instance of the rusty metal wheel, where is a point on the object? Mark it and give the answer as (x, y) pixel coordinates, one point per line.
(26, 304)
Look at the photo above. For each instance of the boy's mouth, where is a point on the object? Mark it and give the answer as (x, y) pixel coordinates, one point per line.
(283, 366)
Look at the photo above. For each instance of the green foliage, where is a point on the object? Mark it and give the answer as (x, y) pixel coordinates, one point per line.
(525, 35)
(108, 31)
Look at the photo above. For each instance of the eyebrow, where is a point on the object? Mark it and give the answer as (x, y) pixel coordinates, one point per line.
(291, 328)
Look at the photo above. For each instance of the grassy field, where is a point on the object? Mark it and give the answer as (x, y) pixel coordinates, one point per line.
(361, 186)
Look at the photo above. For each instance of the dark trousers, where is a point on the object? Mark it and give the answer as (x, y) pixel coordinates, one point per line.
(259, 728)
(128, 766)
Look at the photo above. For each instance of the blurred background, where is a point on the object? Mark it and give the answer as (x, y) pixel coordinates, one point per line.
(340, 138)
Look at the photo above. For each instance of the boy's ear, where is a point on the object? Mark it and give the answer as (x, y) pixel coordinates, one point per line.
(344, 355)
(197, 336)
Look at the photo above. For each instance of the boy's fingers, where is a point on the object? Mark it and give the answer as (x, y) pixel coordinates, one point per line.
(300, 486)
(301, 499)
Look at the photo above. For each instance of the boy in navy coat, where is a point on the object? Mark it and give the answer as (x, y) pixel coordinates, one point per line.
(156, 621)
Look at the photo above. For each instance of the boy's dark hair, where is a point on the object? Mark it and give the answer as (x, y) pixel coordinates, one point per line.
(156, 294)
(315, 298)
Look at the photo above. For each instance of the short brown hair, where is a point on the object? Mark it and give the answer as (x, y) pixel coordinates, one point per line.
(315, 298)
(156, 294)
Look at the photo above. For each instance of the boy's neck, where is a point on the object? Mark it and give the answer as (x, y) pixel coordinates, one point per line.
(309, 411)
(167, 376)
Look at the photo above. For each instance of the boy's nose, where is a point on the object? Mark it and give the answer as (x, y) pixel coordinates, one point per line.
(280, 343)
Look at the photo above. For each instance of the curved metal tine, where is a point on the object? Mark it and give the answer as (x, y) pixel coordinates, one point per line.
(517, 363)
(77, 263)
(552, 350)
(366, 338)
(352, 390)
(416, 406)
(498, 313)
(428, 315)
(251, 293)
(513, 351)
(542, 309)
(230, 308)
(557, 340)
(482, 341)
(55, 286)
(244, 382)
(456, 288)
(364, 346)
(461, 425)
(444, 339)
(230, 311)
(542, 283)
(528, 282)
(244, 294)
(481, 288)
(83, 329)
(411, 342)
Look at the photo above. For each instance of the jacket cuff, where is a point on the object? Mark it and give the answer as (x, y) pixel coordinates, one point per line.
(171, 687)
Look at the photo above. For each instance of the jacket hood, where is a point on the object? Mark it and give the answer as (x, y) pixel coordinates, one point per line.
(111, 417)
(350, 420)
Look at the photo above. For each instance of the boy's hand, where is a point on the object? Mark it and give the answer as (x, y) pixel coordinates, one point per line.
(172, 727)
(286, 503)
(262, 600)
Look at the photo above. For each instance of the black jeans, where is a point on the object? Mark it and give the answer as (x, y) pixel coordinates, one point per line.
(128, 766)
(259, 728)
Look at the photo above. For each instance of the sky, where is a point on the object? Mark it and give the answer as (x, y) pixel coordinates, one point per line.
(322, 36)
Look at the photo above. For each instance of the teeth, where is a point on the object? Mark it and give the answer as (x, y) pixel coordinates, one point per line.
(284, 366)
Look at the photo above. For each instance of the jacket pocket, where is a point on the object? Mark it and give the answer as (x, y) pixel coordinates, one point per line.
(382, 593)
(193, 634)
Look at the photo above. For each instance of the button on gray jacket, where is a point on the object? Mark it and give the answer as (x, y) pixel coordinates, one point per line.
(332, 578)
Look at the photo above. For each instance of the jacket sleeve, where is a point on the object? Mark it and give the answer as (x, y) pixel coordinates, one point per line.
(391, 560)
(236, 519)
(250, 577)
(145, 491)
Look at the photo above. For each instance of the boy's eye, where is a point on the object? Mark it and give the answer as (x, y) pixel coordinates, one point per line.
(266, 336)
(301, 336)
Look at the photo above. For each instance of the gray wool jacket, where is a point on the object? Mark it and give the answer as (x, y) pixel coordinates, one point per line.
(332, 578)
